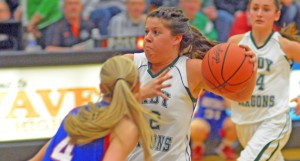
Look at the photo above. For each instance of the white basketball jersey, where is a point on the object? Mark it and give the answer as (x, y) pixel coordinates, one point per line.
(271, 93)
(172, 137)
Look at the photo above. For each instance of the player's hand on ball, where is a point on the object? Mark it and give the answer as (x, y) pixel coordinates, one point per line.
(250, 53)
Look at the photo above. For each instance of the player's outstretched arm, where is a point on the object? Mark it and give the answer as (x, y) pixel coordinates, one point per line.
(291, 49)
(40, 155)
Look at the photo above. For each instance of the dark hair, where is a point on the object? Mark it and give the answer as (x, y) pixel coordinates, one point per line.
(193, 43)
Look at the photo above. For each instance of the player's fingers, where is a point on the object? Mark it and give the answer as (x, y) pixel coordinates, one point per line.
(246, 47)
(164, 78)
(164, 73)
(252, 59)
(165, 86)
(163, 96)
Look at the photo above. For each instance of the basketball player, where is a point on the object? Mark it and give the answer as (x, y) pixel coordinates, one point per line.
(211, 122)
(263, 122)
(170, 42)
(108, 130)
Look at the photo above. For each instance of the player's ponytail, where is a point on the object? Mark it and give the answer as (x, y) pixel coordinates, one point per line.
(200, 44)
(290, 32)
(119, 77)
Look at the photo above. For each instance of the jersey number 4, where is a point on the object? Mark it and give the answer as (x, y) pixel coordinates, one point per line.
(63, 150)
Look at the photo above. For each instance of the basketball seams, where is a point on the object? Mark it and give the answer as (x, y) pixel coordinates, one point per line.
(226, 77)
(224, 59)
(235, 70)
(211, 72)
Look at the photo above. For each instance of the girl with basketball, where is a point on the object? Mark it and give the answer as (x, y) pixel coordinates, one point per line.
(170, 43)
(263, 122)
(110, 129)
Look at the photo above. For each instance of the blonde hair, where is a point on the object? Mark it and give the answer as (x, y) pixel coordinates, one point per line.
(119, 76)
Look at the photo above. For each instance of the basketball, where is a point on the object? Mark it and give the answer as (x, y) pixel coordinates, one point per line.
(226, 68)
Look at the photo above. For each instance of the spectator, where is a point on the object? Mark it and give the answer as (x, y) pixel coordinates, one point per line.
(171, 3)
(290, 13)
(70, 30)
(102, 16)
(154, 4)
(38, 15)
(241, 24)
(130, 22)
(209, 9)
(223, 13)
(12, 5)
(89, 6)
(191, 9)
(101, 11)
(4, 12)
(8, 41)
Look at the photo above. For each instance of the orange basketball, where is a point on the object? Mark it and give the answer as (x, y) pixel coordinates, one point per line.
(226, 68)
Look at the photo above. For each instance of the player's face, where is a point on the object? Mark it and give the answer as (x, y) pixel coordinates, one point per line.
(263, 13)
(158, 40)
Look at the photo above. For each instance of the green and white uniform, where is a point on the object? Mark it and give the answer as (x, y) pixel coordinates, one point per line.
(263, 122)
(172, 137)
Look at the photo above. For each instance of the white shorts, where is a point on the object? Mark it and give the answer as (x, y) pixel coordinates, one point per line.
(264, 140)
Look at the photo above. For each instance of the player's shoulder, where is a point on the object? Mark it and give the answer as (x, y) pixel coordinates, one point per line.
(129, 55)
(289, 47)
(235, 39)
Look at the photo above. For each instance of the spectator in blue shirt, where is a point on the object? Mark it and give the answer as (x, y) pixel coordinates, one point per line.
(290, 13)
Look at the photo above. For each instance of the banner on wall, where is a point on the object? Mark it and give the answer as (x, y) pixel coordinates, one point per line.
(34, 100)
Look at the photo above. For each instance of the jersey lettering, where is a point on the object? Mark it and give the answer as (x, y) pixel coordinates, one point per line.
(264, 63)
(63, 150)
(160, 143)
(158, 100)
(260, 101)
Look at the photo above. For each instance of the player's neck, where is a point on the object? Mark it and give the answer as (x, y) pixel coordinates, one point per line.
(157, 67)
(260, 36)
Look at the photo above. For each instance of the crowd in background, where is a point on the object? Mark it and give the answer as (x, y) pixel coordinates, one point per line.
(63, 24)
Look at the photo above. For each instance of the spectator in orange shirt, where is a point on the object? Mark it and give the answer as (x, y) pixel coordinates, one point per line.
(70, 30)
